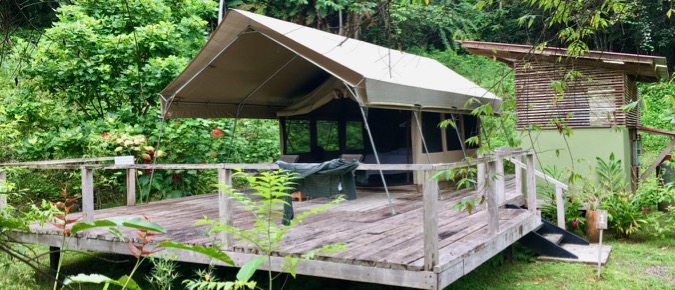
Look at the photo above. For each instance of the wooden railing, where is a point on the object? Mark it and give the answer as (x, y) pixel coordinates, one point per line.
(490, 179)
(559, 187)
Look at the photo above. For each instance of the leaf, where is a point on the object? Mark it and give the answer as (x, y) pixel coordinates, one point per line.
(143, 224)
(116, 232)
(88, 278)
(81, 226)
(129, 282)
(630, 106)
(247, 271)
(207, 251)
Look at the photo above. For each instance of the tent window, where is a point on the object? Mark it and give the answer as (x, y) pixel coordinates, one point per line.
(451, 136)
(354, 135)
(432, 134)
(470, 130)
(327, 135)
(297, 136)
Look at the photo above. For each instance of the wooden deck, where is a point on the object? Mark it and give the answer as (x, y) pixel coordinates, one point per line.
(380, 247)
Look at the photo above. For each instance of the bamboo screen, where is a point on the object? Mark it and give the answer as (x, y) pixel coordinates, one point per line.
(550, 95)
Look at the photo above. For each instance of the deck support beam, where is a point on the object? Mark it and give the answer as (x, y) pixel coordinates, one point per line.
(54, 258)
(225, 205)
(131, 186)
(87, 194)
(430, 204)
(492, 198)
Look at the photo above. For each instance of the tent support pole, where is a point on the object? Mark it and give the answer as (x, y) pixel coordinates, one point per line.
(419, 128)
(459, 137)
(372, 143)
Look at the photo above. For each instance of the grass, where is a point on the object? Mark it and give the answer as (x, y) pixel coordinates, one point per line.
(642, 262)
(639, 263)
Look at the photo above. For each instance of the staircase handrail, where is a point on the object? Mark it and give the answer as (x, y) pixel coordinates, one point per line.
(559, 187)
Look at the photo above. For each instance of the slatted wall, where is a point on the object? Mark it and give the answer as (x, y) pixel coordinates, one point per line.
(632, 116)
(592, 98)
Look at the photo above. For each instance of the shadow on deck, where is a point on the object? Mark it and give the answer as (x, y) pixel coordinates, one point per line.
(380, 247)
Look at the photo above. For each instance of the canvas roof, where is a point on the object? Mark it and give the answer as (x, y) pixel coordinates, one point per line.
(645, 68)
(255, 66)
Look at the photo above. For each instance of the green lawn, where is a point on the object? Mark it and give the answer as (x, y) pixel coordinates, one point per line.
(639, 263)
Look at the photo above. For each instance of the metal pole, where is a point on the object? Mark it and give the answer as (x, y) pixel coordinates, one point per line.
(600, 254)
(220, 11)
(372, 143)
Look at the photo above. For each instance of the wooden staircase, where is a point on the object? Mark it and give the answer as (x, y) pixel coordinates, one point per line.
(554, 243)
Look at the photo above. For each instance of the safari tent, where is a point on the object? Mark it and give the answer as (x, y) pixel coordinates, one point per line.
(332, 94)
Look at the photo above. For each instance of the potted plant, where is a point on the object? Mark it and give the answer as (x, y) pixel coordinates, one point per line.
(610, 179)
(591, 197)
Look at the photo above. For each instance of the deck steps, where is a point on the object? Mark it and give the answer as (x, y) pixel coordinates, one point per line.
(554, 243)
(554, 238)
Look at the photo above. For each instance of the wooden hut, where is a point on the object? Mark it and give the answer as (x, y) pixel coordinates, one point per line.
(592, 94)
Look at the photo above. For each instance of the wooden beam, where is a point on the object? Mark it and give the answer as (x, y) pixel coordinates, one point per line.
(481, 180)
(359, 273)
(87, 194)
(519, 178)
(3, 185)
(267, 166)
(225, 205)
(500, 186)
(531, 183)
(59, 161)
(658, 160)
(492, 199)
(656, 131)
(430, 205)
(560, 206)
(540, 174)
(3, 201)
(131, 186)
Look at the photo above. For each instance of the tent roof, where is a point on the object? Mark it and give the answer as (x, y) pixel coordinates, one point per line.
(646, 68)
(255, 66)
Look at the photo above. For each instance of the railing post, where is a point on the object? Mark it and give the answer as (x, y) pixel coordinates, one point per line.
(480, 176)
(225, 205)
(430, 199)
(492, 199)
(87, 194)
(131, 186)
(500, 185)
(531, 183)
(519, 176)
(560, 206)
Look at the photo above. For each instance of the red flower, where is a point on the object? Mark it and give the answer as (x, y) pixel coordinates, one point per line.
(575, 222)
(104, 134)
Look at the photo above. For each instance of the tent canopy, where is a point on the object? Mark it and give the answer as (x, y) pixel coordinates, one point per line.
(260, 67)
